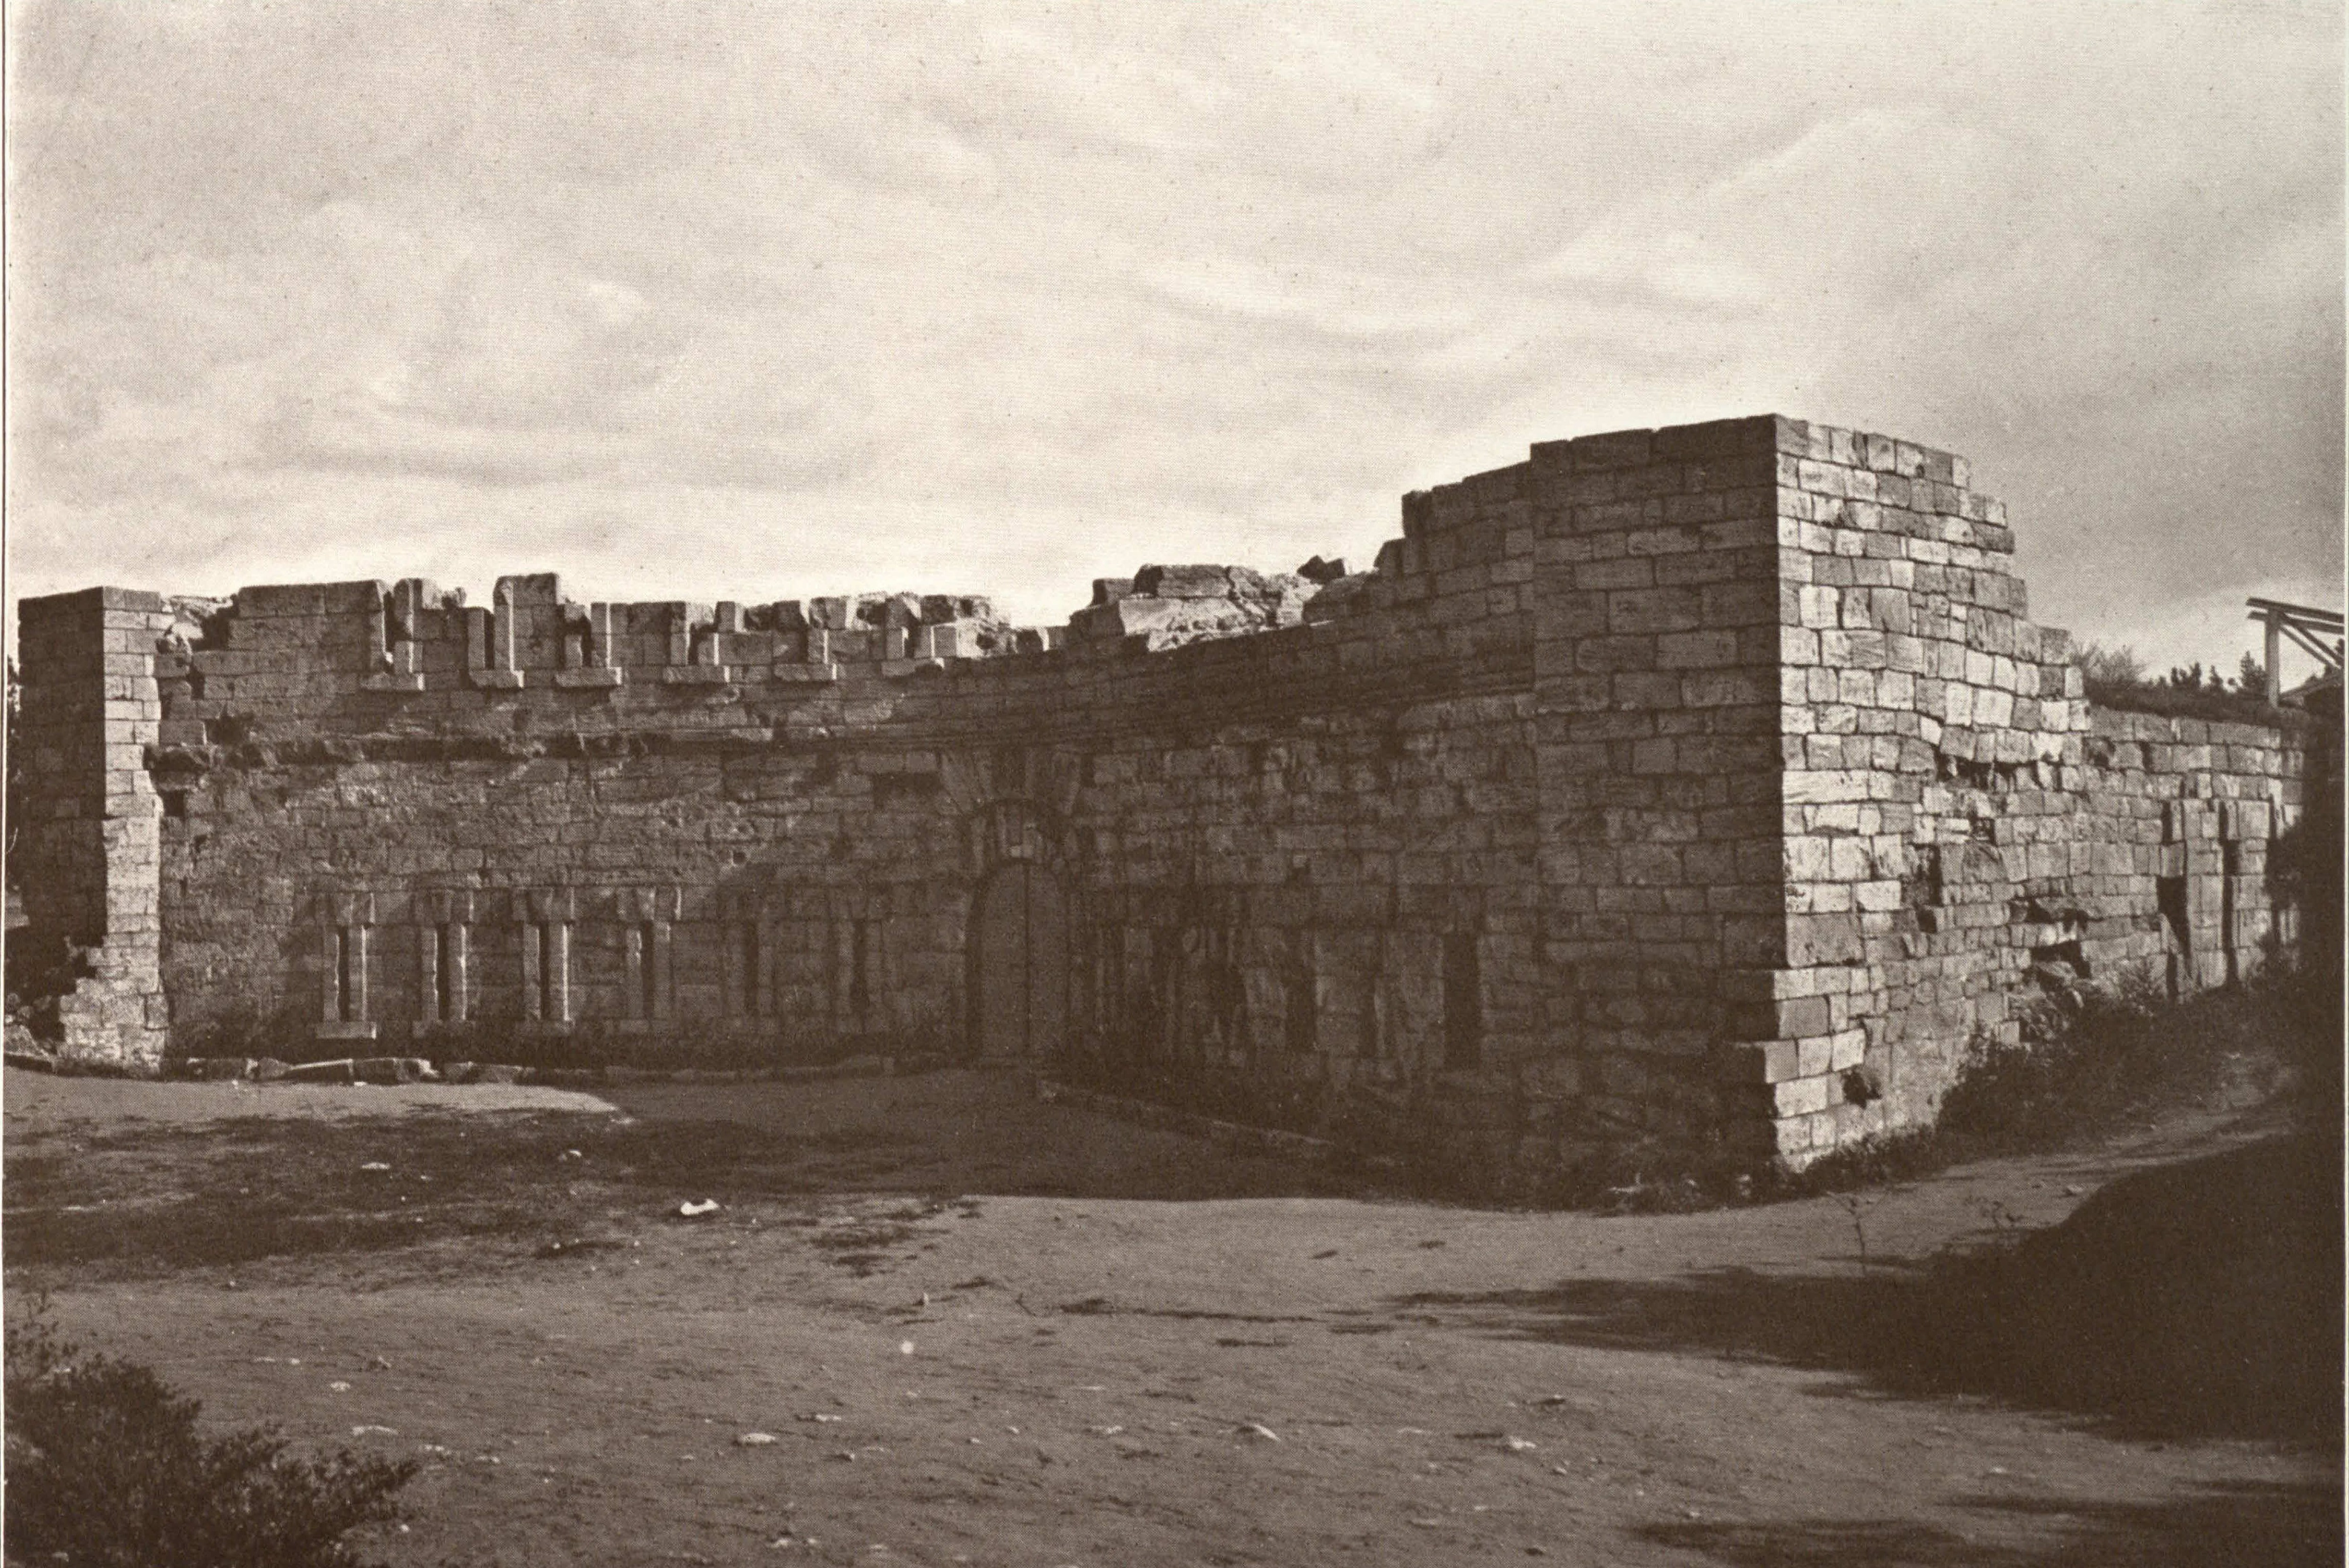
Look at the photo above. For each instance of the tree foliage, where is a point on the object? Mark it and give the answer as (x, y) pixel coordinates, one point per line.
(2116, 676)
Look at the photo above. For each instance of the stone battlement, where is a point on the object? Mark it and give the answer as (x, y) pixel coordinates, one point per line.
(1710, 785)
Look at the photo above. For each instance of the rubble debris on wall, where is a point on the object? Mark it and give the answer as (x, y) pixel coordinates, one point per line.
(1707, 785)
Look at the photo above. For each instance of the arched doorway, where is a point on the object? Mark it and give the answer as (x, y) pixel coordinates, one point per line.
(1019, 964)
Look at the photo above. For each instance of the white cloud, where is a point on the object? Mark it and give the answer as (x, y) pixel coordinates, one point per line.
(1002, 297)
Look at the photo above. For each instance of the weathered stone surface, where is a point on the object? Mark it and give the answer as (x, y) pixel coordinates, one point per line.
(1663, 787)
(1168, 622)
(1184, 583)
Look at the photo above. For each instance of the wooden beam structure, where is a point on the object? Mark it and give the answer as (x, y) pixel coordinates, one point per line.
(2316, 632)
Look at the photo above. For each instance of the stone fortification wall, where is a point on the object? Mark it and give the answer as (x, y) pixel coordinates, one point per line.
(1956, 815)
(1656, 650)
(392, 818)
(1707, 785)
(2181, 814)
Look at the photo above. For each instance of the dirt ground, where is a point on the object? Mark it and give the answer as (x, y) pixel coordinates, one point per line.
(979, 1328)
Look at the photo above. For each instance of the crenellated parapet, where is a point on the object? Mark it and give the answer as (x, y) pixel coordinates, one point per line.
(305, 646)
(1708, 785)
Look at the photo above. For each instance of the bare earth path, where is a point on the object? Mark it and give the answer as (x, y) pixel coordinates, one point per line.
(985, 1329)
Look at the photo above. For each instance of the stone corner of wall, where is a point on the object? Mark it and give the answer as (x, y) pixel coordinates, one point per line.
(1744, 436)
(102, 597)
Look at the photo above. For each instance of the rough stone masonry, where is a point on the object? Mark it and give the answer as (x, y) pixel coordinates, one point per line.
(1708, 785)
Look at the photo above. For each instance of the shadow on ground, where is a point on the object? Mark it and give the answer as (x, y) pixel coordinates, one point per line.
(2200, 1299)
(151, 1197)
(963, 1133)
(2232, 1526)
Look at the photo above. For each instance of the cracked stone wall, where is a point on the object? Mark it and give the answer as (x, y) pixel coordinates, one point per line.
(1957, 819)
(1707, 786)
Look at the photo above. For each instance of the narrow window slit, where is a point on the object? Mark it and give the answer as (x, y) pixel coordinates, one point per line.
(647, 974)
(546, 960)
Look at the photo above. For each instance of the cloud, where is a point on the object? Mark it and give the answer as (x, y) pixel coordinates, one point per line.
(1350, 308)
(999, 298)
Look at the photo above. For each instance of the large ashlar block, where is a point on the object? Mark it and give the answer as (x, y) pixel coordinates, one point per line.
(1658, 726)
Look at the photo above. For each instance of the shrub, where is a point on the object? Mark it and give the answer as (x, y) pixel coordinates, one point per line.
(2221, 705)
(2109, 1053)
(2110, 665)
(106, 1470)
(2115, 678)
(38, 972)
(2091, 1061)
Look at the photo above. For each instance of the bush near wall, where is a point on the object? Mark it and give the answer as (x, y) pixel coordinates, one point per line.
(107, 1470)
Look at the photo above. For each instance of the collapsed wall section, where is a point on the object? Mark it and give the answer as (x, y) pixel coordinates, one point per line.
(1293, 856)
(1313, 864)
(1706, 787)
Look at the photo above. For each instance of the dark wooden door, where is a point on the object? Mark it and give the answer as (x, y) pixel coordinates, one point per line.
(1020, 964)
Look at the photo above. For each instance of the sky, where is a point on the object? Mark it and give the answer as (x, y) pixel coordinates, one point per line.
(758, 301)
